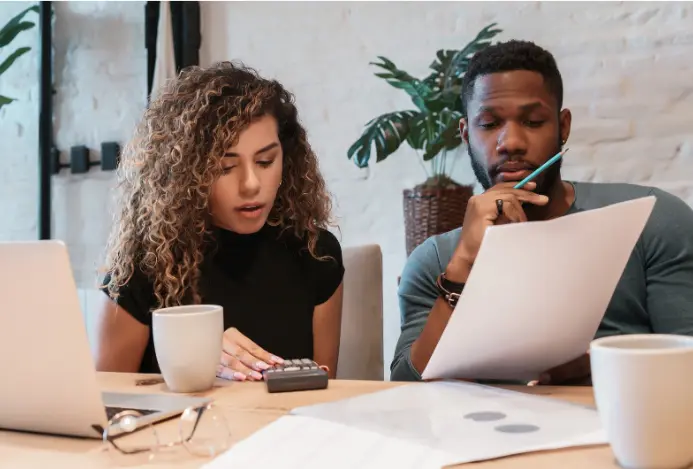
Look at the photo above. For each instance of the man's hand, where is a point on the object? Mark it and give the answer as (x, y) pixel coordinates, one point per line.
(482, 212)
(243, 359)
(575, 372)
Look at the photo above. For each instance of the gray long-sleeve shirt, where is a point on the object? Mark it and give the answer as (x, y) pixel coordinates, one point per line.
(654, 294)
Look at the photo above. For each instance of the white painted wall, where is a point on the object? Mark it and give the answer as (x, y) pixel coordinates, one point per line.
(627, 69)
(100, 78)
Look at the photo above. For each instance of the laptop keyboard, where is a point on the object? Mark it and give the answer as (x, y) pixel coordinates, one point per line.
(112, 411)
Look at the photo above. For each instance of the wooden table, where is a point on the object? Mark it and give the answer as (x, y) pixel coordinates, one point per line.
(248, 407)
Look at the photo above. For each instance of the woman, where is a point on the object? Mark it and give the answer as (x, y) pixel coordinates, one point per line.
(222, 203)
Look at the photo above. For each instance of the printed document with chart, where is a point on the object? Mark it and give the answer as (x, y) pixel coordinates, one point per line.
(537, 293)
(416, 426)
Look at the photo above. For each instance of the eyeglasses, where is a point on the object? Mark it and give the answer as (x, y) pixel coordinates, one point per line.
(202, 431)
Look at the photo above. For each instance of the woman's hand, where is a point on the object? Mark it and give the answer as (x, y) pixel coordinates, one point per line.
(243, 359)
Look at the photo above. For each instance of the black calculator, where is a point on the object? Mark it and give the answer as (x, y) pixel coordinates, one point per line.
(295, 375)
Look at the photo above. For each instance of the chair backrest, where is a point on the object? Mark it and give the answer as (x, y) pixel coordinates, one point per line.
(361, 341)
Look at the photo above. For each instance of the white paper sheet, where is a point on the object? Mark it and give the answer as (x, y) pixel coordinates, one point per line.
(537, 293)
(417, 426)
(468, 421)
(295, 442)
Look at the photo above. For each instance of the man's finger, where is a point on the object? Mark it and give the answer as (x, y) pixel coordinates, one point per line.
(513, 210)
(530, 186)
(530, 197)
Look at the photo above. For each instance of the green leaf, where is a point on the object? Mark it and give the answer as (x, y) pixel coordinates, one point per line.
(5, 100)
(443, 58)
(451, 65)
(7, 36)
(418, 131)
(415, 88)
(447, 99)
(460, 61)
(12, 28)
(386, 132)
(446, 134)
(14, 56)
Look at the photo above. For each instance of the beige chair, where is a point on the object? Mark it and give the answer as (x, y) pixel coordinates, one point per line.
(361, 342)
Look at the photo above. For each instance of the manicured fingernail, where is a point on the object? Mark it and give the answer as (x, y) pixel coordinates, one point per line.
(255, 375)
(277, 359)
(237, 375)
(262, 365)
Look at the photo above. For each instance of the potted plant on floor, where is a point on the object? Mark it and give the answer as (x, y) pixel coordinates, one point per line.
(432, 129)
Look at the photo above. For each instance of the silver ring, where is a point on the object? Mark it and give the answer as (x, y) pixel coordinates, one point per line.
(499, 206)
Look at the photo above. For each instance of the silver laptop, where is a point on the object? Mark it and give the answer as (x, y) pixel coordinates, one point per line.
(49, 383)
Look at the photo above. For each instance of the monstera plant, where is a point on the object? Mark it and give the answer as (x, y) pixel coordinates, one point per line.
(432, 129)
(7, 34)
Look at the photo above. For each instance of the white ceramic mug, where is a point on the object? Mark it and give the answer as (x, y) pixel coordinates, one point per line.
(643, 388)
(188, 344)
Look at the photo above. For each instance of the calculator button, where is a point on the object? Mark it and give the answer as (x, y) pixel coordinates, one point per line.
(305, 361)
(293, 368)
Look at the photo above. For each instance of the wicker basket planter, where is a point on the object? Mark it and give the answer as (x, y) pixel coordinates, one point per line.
(430, 211)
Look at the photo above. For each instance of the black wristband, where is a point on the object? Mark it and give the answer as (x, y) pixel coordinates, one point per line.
(449, 290)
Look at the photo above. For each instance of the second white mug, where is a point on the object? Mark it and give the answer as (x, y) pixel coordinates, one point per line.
(643, 388)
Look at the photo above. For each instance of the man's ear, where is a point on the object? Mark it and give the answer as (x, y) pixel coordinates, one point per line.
(464, 133)
(565, 118)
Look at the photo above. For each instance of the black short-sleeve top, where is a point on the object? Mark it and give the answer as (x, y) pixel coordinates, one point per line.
(267, 282)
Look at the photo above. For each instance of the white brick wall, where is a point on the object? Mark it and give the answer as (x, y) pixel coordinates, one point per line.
(627, 69)
(100, 79)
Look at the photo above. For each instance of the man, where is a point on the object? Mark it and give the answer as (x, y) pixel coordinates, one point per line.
(513, 123)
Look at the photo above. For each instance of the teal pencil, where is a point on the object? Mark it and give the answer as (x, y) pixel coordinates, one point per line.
(540, 169)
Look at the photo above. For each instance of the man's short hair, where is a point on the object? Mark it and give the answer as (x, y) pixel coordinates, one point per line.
(510, 56)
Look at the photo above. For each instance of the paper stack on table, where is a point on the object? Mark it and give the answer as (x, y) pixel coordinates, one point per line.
(417, 426)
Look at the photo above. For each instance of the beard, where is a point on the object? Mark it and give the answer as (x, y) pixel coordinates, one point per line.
(545, 181)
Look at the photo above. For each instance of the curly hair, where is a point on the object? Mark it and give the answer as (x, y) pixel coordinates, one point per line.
(509, 56)
(167, 170)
